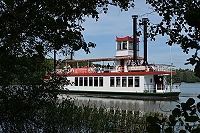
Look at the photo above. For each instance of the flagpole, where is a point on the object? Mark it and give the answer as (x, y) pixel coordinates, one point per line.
(171, 66)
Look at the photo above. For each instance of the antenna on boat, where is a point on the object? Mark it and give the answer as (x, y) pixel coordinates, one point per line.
(135, 38)
(171, 67)
(54, 59)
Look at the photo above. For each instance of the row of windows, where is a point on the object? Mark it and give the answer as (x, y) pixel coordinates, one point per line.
(89, 81)
(114, 81)
(123, 45)
(124, 82)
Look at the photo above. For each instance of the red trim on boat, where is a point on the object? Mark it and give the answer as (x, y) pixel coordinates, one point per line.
(115, 73)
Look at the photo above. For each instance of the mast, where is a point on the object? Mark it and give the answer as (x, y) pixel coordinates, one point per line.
(171, 67)
(54, 59)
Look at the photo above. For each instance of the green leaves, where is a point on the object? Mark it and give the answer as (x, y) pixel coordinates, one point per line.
(192, 17)
(182, 131)
(29, 29)
(197, 68)
(169, 130)
(152, 120)
(53, 24)
(180, 21)
(153, 126)
(176, 112)
(190, 102)
(198, 107)
(172, 120)
(196, 130)
(184, 116)
(10, 3)
(191, 119)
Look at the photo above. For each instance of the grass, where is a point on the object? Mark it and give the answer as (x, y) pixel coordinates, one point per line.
(101, 119)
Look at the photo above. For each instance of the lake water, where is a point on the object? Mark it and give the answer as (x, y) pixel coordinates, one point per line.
(187, 90)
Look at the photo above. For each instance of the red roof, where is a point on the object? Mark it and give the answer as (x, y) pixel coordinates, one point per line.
(127, 38)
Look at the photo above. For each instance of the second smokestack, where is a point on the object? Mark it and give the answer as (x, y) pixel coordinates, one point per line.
(144, 20)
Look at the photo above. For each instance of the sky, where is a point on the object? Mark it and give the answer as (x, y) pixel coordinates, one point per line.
(116, 23)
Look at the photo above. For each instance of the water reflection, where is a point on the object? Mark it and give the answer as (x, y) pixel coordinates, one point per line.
(187, 91)
(126, 104)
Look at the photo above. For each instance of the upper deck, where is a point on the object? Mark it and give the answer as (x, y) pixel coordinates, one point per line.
(126, 62)
(117, 70)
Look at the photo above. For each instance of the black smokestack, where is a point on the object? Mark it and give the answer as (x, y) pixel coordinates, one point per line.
(135, 38)
(144, 20)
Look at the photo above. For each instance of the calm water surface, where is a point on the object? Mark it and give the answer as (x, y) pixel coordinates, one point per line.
(187, 90)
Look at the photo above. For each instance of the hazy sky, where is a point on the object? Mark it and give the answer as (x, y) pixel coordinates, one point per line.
(116, 23)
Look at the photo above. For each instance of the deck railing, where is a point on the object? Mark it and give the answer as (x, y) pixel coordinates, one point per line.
(165, 88)
(136, 68)
(151, 68)
(165, 68)
(117, 69)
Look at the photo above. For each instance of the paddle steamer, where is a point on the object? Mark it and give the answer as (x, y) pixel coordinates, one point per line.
(124, 78)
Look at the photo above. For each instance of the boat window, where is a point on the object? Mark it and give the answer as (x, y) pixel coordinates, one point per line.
(130, 81)
(124, 82)
(124, 45)
(118, 45)
(85, 81)
(90, 81)
(76, 81)
(117, 81)
(112, 82)
(100, 81)
(137, 82)
(80, 81)
(95, 81)
(130, 46)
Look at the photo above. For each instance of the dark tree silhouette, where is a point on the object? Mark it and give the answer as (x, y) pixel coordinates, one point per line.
(180, 21)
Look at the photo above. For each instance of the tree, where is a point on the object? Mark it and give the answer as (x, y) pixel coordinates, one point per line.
(34, 28)
(180, 21)
(29, 29)
(184, 119)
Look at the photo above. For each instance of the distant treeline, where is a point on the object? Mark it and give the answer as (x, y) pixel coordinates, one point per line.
(185, 75)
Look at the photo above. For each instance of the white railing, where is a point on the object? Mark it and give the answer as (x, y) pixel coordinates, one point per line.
(166, 88)
(165, 69)
(151, 68)
(118, 69)
(109, 69)
(173, 88)
(136, 68)
(149, 88)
